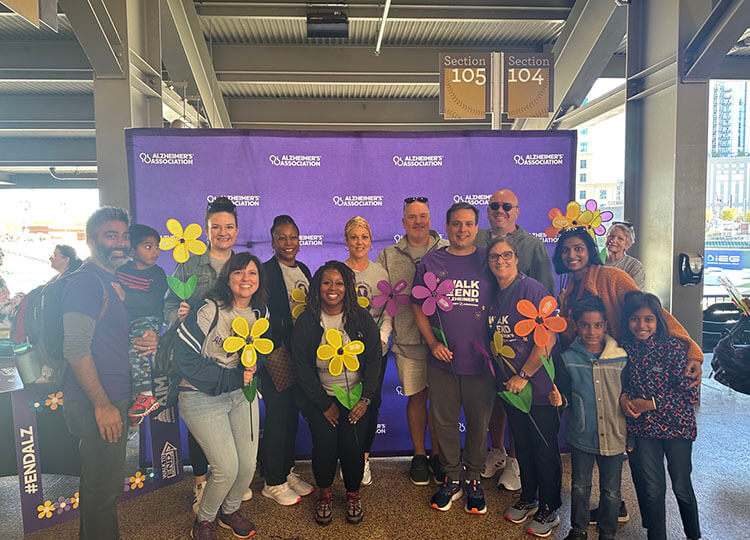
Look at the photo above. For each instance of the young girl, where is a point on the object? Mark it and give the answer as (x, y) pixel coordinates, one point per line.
(659, 405)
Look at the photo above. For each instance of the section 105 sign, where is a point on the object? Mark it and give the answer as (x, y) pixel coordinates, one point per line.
(464, 85)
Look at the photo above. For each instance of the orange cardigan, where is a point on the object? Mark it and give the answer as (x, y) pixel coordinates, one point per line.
(611, 285)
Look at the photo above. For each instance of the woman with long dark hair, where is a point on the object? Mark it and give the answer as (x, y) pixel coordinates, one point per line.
(336, 348)
(210, 383)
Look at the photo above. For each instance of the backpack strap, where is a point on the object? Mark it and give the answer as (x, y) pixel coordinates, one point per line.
(216, 316)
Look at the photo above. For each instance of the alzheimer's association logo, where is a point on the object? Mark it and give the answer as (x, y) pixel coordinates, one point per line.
(166, 158)
(292, 160)
(358, 200)
(538, 159)
(477, 199)
(418, 161)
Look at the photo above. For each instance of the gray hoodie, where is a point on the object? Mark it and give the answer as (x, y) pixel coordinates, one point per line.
(407, 340)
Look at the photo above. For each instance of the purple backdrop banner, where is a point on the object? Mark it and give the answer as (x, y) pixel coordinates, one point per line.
(322, 179)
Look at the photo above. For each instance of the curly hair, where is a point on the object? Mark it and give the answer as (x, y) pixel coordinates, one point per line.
(350, 293)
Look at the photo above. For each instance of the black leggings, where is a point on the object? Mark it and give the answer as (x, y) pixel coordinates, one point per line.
(372, 410)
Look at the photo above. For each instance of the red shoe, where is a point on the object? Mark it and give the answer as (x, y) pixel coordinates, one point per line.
(143, 406)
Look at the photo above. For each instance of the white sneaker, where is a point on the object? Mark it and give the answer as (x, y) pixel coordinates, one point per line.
(282, 494)
(494, 462)
(367, 475)
(299, 486)
(198, 495)
(248, 495)
(510, 478)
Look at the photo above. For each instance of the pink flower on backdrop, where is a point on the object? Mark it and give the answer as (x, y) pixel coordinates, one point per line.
(435, 294)
(391, 297)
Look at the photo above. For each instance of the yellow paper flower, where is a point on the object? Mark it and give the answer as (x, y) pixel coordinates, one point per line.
(300, 302)
(136, 482)
(54, 401)
(249, 340)
(75, 499)
(45, 510)
(183, 242)
(499, 348)
(339, 355)
(363, 301)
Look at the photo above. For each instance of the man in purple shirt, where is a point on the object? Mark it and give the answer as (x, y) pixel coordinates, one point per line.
(97, 387)
(457, 373)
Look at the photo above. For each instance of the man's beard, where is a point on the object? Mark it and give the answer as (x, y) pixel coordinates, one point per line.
(105, 256)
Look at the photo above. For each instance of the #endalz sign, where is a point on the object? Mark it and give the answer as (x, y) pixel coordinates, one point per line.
(322, 179)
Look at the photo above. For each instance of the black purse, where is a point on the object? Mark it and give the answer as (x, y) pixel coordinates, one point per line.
(731, 362)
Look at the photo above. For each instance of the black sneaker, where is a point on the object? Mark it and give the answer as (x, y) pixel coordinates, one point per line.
(622, 514)
(543, 522)
(437, 469)
(449, 491)
(474, 498)
(577, 535)
(240, 527)
(419, 472)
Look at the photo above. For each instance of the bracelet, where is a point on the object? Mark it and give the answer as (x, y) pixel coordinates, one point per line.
(366, 401)
(653, 400)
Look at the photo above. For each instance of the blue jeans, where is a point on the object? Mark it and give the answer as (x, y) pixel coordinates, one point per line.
(226, 428)
(610, 474)
(648, 458)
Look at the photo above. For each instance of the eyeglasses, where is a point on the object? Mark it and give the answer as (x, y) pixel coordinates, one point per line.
(410, 200)
(505, 255)
(623, 223)
(505, 206)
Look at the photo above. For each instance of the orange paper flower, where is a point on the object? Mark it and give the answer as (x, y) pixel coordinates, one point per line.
(574, 217)
(539, 320)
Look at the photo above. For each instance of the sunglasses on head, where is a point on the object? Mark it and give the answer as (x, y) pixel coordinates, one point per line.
(410, 200)
(505, 206)
(623, 223)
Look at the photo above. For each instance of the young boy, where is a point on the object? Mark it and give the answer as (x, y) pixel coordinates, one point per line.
(592, 384)
(144, 284)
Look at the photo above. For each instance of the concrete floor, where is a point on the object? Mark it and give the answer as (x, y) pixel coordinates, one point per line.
(395, 509)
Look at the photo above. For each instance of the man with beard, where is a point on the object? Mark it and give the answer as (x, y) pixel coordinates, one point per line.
(97, 387)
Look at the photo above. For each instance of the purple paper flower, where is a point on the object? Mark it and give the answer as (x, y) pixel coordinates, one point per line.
(434, 294)
(598, 217)
(391, 297)
(64, 505)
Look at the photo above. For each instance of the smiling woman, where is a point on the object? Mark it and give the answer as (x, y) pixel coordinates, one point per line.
(620, 238)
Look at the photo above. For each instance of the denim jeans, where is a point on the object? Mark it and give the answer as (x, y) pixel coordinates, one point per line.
(610, 474)
(226, 427)
(648, 457)
(102, 469)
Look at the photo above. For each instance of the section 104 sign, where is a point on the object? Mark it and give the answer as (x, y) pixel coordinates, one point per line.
(527, 84)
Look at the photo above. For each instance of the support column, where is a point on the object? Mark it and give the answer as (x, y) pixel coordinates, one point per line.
(122, 40)
(666, 149)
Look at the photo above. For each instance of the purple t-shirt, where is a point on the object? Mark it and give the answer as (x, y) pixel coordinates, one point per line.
(466, 323)
(503, 316)
(109, 347)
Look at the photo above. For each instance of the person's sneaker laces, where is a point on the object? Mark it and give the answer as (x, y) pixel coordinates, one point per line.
(437, 469)
(247, 495)
(203, 530)
(543, 522)
(367, 474)
(419, 471)
(141, 408)
(622, 514)
(474, 498)
(510, 478)
(494, 462)
(577, 535)
(520, 511)
(198, 488)
(299, 486)
(449, 491)
(240, 527)
(282, 494)
(323, 513)
(354, 512)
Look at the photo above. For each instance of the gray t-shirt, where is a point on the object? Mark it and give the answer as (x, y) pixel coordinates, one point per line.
(294, 278)
(346, 379)
(366, 284)
(416, 252)
(212, 349)
(217, 264)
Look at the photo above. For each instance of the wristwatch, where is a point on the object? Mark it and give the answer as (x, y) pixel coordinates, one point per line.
(366, 401)
(523, 375)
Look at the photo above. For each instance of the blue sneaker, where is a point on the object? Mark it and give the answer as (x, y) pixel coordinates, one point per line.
(474, 498)
(449, 491)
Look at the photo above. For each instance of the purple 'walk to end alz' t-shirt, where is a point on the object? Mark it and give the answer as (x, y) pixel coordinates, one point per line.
(109, 348)
(466, 323)
(505, 321)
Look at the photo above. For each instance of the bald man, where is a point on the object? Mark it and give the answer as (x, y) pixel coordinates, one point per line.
(533, 258)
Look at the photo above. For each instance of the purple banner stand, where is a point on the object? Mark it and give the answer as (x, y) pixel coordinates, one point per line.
(322, 179)
(38, 512)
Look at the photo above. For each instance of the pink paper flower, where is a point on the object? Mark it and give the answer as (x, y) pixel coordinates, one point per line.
(598, 217)
(434, 294)
(391, 297)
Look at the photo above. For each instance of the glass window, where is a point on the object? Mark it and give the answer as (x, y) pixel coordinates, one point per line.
(582, 164)
(582, 194)
(603, 194)
(582, 178)
(584, 147)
